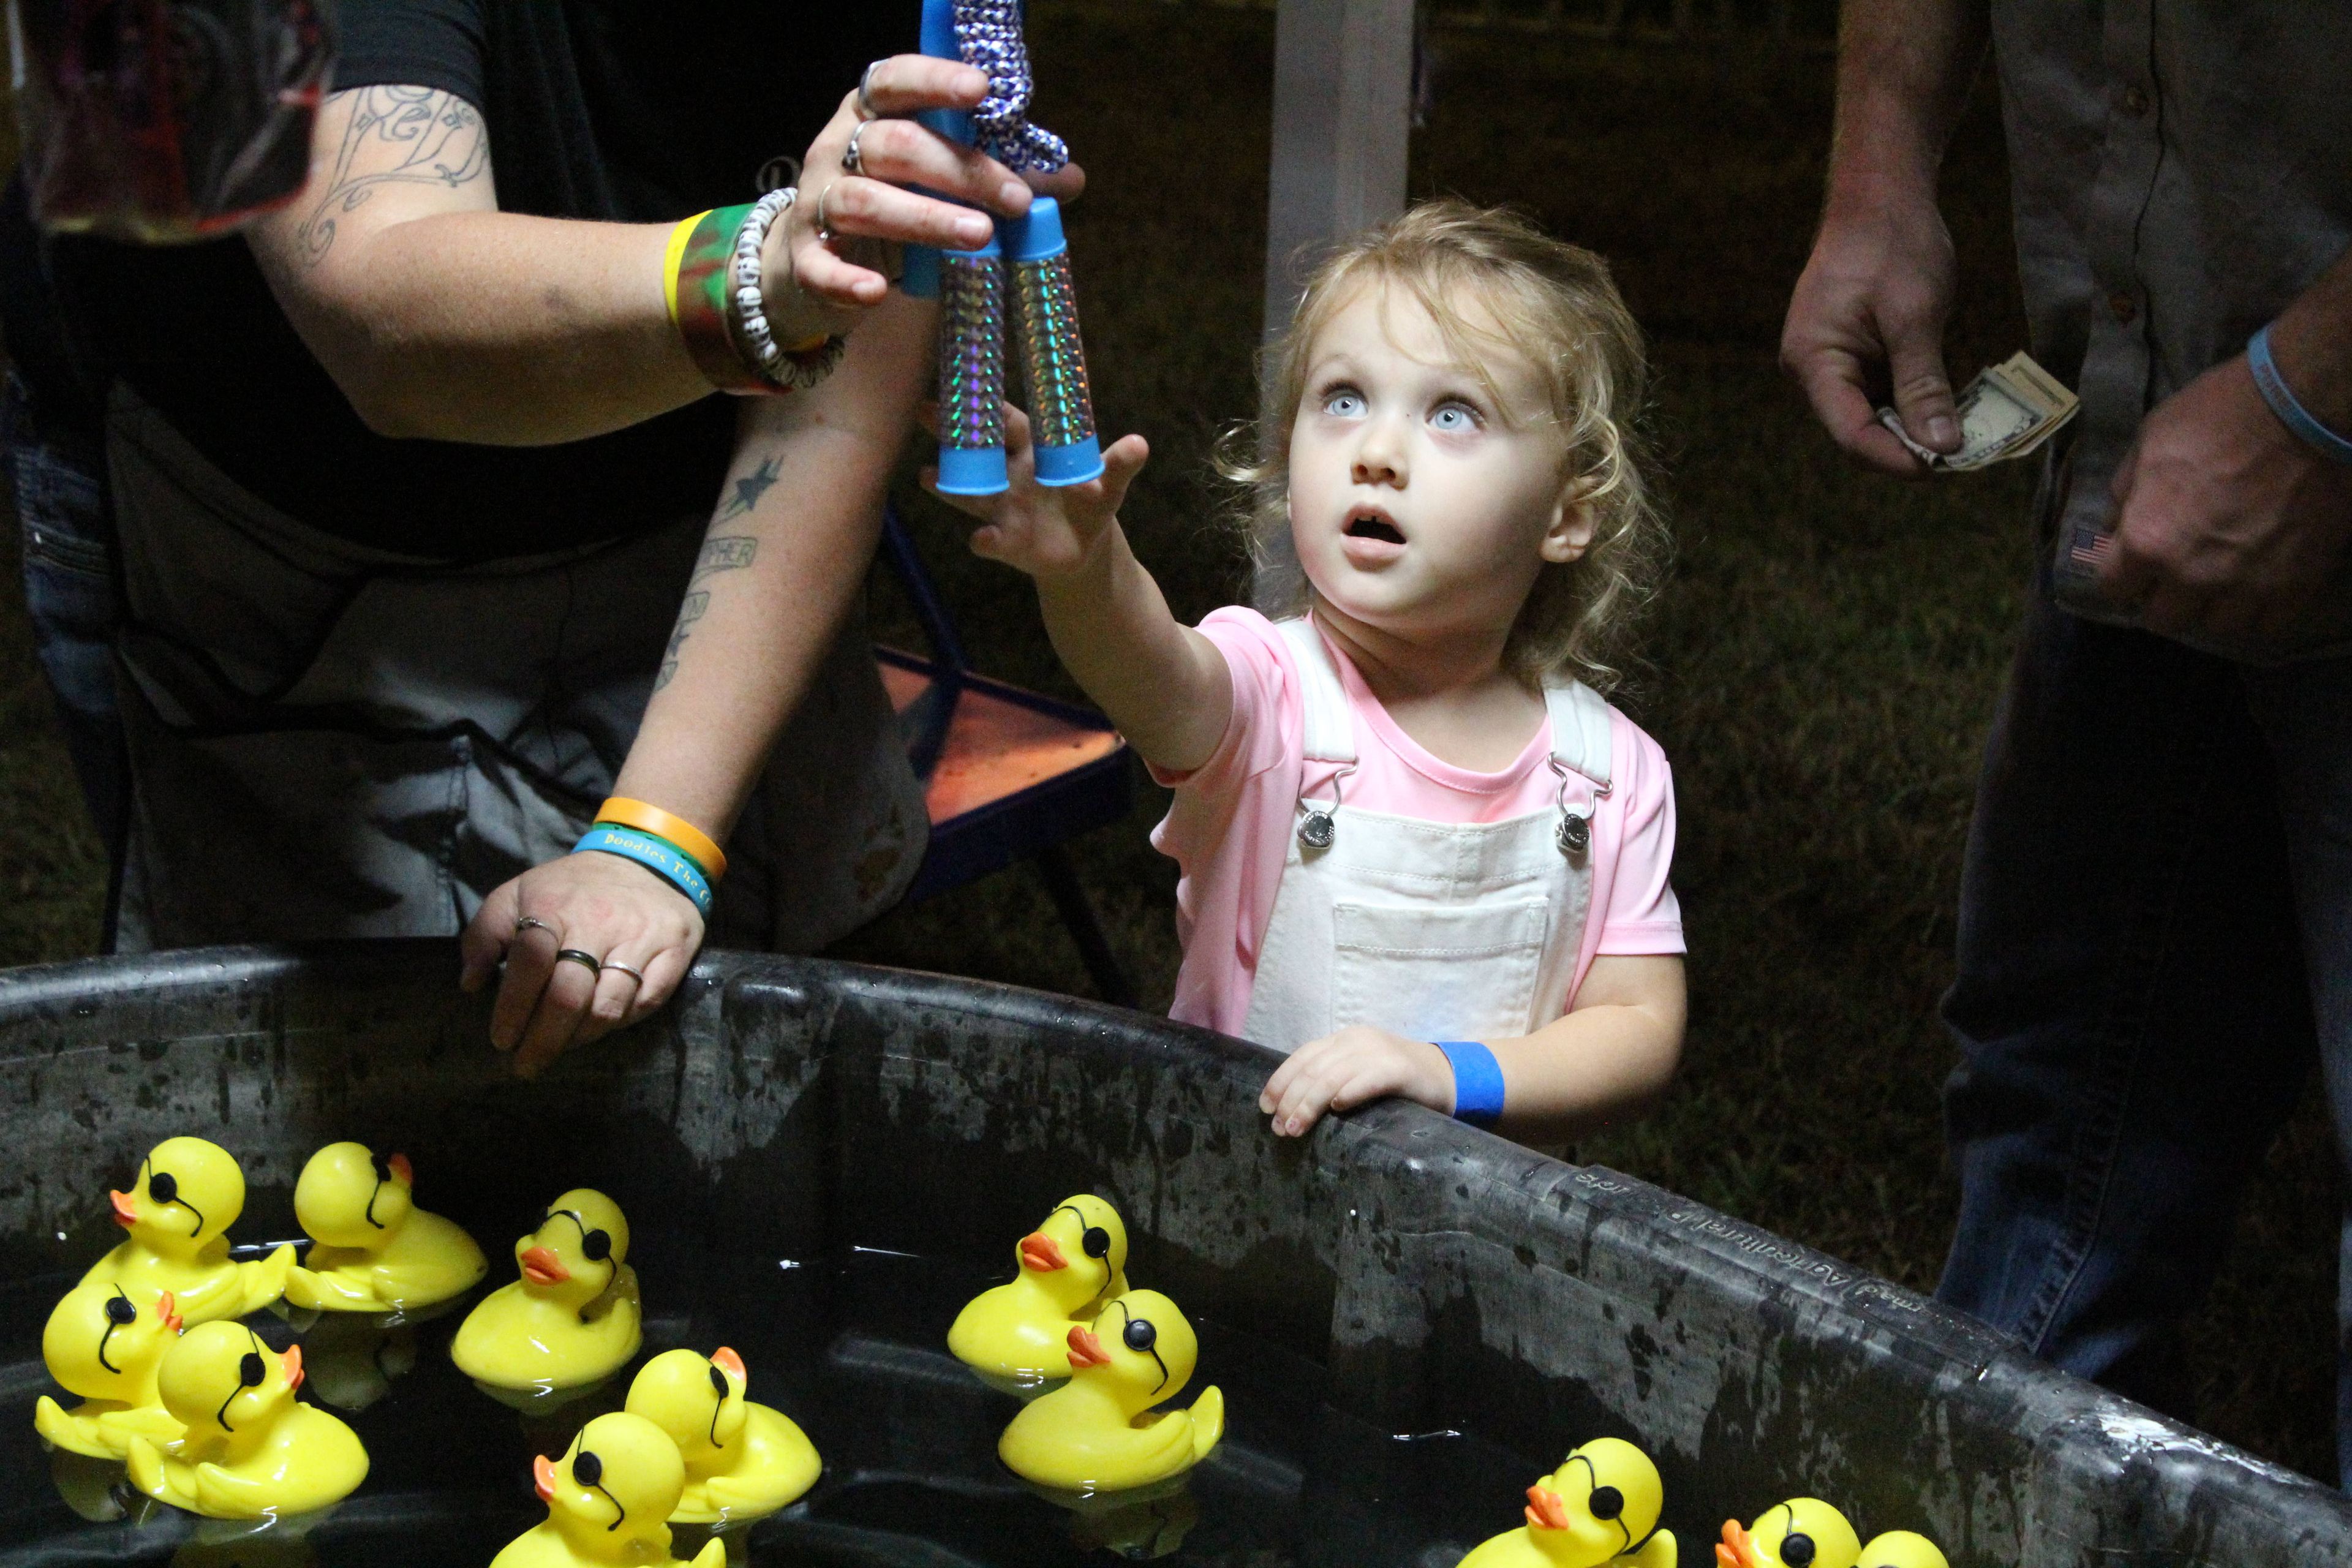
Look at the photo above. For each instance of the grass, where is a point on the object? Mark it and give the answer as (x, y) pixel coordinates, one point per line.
(1825, 665)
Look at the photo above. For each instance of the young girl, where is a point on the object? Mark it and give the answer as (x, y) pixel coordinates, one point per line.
(1419, 850)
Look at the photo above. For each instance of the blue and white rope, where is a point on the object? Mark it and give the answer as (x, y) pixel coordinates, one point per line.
(989, 34)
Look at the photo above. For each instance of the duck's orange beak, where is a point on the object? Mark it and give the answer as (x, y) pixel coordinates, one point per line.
(541, 1267)
(167, 1310)
(730, 1363)
(1738, 1548)
(1085, 1349)
(543, 1478)
(1544, 1510)
(293, 1359)
(400, 1167)
(1039, 1253)
(124, 1214)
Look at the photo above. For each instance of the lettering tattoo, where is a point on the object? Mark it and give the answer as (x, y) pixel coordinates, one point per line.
(397, 136)
(723, 552)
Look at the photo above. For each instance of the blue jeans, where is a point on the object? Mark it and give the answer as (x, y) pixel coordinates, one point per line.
(73, 596)
(2156, 906)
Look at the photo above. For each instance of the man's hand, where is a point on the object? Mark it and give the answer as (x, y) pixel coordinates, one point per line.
(611, 909)
(1867, 321)
(1346, 1069)
(2227, 528)
(1046, 531)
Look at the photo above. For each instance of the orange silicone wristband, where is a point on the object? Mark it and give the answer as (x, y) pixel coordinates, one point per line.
(624, 812)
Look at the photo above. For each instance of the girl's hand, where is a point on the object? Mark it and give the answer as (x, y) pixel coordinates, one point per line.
(1047, 531)
(1341, 1071)
(823, 266)
(598, 904)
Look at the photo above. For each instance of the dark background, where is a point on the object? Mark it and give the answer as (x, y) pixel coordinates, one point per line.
(1822, 667)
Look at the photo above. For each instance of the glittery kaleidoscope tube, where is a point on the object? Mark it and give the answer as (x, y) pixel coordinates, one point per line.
(1053, 358)
(971, 372)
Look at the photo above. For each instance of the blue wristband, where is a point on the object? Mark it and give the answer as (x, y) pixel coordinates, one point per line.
(1477, 1082)
(2298, 419)
(659, 856)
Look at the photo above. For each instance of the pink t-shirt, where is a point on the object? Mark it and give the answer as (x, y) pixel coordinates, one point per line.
(1230, 826)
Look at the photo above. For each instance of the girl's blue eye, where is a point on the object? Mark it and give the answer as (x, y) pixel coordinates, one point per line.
(1453, 419)
(1345, 405)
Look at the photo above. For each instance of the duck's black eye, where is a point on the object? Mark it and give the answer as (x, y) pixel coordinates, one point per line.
(1797, 1550)
(718, 1382)
(120, 1312)
(597, 1245)
(383, 1167)
(1096, 1241)
(250, 1370)
(587, 1469)
(1606, 1502)
(164, 1187)
(1140, 1334)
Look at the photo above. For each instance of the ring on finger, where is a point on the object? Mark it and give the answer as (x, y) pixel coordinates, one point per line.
(587, 961)
(853, 159)
(866, 110)
(636, 975)
(823, 223)
(531, 922)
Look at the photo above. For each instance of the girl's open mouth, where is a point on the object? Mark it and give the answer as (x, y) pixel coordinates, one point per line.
(1372, 525)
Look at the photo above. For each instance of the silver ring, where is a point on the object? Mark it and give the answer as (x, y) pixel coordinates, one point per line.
(853, 161)
(532, 922)
(587, 961)
(636, 975)
(825, 224)
(866, 110)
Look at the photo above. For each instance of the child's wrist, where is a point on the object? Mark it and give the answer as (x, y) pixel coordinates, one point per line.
(1477, 1082)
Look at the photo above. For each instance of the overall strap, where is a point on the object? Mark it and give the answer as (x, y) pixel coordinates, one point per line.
(1580, 731)
(1330, 725)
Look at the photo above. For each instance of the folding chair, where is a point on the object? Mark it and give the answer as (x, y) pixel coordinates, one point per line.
(1007, 774)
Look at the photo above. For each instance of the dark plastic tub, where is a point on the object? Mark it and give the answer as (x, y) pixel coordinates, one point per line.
(1433, 1279)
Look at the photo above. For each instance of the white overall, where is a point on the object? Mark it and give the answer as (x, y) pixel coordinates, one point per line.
(1435, 931)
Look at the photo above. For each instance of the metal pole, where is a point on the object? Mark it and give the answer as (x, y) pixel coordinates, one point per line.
(1342, 107)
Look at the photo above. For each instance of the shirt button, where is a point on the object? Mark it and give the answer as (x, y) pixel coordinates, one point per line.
(2135, 101)
(2122, 307)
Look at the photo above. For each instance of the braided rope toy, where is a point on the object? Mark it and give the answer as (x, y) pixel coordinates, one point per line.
(971, 286)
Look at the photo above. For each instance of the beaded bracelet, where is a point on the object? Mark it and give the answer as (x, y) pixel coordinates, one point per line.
(784, 366)
(660, 857)
(1477, 1082)
(681, 834)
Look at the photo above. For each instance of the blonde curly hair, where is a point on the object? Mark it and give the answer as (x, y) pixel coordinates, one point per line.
(1535, 297)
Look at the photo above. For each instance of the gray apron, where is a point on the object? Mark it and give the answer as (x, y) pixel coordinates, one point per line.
(331, 741)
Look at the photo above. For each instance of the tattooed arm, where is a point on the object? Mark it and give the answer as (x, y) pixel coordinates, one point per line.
(786, 555)
(440, 316)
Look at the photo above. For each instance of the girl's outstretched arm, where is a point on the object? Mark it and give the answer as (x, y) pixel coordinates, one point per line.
(1608, 1058)
(1164, 685)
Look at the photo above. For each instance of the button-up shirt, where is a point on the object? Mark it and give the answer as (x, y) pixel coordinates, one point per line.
(2182, 169)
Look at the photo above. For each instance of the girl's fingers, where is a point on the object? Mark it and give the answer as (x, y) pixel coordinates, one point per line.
(1122, 460)
(1369, 1084)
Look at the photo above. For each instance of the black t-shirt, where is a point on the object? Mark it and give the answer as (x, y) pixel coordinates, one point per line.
(637, 111)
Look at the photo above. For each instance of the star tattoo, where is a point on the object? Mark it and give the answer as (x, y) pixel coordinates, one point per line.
(750, 489)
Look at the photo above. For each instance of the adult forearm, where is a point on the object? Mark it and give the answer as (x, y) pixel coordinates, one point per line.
(2312, 343)
(500, 328)
(1903, 72)
(1164, 685)
(785, 559)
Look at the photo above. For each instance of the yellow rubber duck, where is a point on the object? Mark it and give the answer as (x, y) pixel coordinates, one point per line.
(742, 1460)
(376, 1251)
(1093, 1434)
(608, 1501)
(1069, 1266)
(574, 1317)
(1902, 1549)
(1804, 1533)
(178, 1211)
(251, 1449)
(1599, 1507)
(100, 1344)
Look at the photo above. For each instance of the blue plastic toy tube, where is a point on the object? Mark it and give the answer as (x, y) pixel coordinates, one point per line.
(920, 278)
(1053, 359)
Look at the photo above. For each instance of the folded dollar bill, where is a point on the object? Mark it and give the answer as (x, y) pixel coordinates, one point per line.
(2008, 411)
